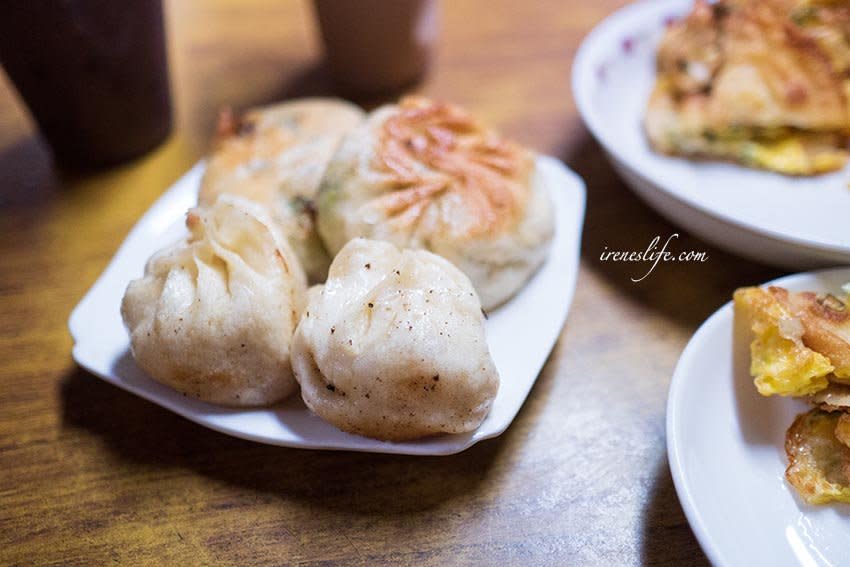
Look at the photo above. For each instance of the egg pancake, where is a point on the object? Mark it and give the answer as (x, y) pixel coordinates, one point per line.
(782, 361)
(801, 348)
(818, 462)
(762, 83)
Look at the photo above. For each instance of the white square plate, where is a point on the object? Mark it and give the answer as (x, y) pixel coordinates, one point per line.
(520, 334)
(726, 447)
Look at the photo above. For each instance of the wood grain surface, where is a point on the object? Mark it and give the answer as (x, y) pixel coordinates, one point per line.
(91, 475)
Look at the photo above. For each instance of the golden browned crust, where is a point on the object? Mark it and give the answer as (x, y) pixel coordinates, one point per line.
(236, 144)
(818, 462)
(262, 133)
(739, 78)
(231, 150)
(827, 23)
(491, 174)
(689, 54)
(826, 325)
(835, 397)
(842, 429)
(781, 362)
(807, 92)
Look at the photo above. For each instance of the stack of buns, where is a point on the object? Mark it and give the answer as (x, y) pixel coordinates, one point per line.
(410, 220)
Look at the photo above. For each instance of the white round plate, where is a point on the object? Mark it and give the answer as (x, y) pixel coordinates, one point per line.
(786, 221)
(539, 309)
(725, 444)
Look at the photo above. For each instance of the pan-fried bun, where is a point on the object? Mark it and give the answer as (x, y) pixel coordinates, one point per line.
(276, 156)
(213, 315)
(424, 174)
(393, 345)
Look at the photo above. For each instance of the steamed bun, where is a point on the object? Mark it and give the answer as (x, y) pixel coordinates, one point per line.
(276, 156)
(393, 345)
(422, 174)
(213, 316)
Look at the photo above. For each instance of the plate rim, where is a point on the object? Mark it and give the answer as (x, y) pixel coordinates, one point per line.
(678, 384)
(573, 183)
(629, 18)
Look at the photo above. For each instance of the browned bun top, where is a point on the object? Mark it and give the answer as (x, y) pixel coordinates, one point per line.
(249, 148)
(434, 150)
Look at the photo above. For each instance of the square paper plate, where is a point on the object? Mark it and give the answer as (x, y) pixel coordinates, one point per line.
(520, 334)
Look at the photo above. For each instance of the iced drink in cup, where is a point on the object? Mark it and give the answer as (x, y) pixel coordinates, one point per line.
(92, 72)
(377, 46)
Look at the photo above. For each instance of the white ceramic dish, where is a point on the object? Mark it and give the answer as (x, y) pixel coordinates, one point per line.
(786, 221)
(538, 311)
(725, 445)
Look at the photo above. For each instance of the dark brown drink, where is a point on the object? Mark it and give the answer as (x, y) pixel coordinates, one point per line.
(93, 73)
(377, 46)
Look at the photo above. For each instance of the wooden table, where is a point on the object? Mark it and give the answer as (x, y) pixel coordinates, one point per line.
(92, 475)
